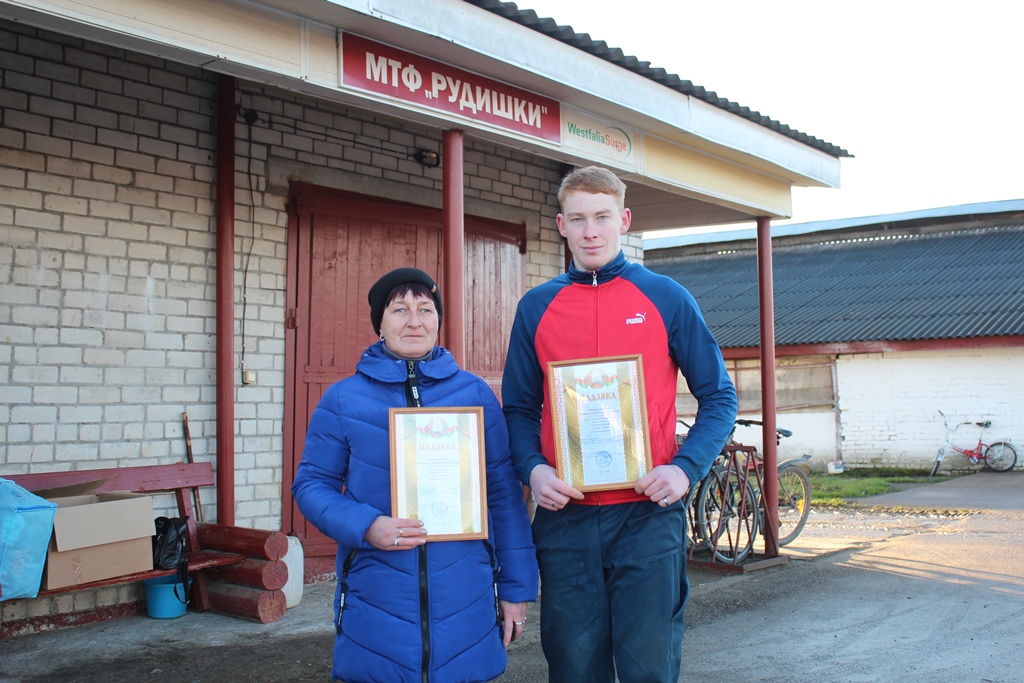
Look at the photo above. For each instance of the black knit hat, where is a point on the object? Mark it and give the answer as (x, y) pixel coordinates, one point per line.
(382, 288)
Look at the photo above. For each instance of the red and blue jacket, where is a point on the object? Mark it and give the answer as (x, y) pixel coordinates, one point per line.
(620, 309)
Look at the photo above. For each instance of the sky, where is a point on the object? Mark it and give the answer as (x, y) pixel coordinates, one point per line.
(928, 96)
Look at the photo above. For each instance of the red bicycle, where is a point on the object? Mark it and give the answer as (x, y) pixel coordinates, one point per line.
(999, 456)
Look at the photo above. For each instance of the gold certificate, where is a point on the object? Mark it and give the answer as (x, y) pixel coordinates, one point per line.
(438, 470)
(600, 420)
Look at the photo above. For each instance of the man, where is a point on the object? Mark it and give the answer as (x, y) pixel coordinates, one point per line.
(612, 566)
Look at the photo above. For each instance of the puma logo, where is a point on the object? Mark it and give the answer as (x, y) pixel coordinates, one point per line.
(639, 319)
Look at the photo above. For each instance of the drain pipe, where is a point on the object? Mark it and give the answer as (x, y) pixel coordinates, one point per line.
(225, 299)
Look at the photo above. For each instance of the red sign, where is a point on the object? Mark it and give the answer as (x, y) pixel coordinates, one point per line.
(382, 69)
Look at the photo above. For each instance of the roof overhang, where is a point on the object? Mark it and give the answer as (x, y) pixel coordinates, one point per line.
(693, 164)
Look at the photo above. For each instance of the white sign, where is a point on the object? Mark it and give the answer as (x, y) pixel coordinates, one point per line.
(596, 138)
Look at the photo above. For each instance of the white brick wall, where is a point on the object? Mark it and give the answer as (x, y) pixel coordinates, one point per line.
(889, 403)
(105, 282)
(107, 251)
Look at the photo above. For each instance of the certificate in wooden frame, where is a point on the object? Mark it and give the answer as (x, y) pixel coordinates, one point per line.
(599, 411)
(438, 470)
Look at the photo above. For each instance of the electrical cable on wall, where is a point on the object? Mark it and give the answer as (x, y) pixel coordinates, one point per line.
(251, 117)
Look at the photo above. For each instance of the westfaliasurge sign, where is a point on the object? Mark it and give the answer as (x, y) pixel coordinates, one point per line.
(599, 139)
(380, 68)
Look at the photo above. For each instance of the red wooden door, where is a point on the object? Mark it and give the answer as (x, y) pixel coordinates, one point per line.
(338, 247)
(495, 280)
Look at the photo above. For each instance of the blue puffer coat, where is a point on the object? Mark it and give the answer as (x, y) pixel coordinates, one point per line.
(343, 485)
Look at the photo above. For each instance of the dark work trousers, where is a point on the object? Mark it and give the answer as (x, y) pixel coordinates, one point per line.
(613, 589)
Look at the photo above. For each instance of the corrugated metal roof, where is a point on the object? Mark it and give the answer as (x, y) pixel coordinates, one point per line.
(955, 284)
(923, 216)
(601, 49)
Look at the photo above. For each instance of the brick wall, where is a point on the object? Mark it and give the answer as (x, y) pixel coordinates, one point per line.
(106, 168)
(107, 250)
(888, 403)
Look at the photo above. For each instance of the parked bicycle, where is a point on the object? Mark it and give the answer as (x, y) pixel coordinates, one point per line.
(999, 456)
(726, 509)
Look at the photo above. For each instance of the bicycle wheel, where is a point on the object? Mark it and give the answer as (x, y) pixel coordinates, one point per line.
(727, 512)
(704, 508)
(794, 502)
(938, 461)
(695, 540)
(1000, 456)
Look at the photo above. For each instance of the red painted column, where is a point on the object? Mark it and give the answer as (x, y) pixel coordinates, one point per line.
(225, 300)
(453, 222)
(768, 436)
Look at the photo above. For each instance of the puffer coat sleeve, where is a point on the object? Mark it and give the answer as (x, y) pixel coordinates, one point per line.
(512, 536)
(325, 465)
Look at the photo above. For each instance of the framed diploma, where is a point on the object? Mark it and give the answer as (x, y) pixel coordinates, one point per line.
(438, 470)
(600, 421)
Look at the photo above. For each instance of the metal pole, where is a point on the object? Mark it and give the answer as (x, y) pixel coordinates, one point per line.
(225, 300)
(453, 221)
(768, 436)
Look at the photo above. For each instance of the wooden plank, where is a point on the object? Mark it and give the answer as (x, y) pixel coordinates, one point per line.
(207, 559)
(142, 479)
(204, 559)
(757, 562)
(199, 592)
(47, 622)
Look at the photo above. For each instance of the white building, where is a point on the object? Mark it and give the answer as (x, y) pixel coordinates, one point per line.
(195, 197)
(880, 322)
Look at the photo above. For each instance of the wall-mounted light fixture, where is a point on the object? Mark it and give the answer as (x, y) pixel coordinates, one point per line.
(428, 158)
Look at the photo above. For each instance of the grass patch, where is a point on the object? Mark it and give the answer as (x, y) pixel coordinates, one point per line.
(837, 489)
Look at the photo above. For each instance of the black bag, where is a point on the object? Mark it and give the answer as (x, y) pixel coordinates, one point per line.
(169, 550)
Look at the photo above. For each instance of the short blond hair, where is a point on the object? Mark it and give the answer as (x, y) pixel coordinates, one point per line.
(595, 180)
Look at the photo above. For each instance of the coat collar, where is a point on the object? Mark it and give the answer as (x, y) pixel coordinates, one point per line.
(376, 364)
(607, 272)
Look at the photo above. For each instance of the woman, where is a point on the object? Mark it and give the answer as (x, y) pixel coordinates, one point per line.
(406, 610)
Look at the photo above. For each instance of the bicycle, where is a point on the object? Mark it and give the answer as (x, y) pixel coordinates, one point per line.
(729, 509)
(999, 456)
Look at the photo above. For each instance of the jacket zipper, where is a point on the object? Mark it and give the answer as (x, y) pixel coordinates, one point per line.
(495, 569)
(413, 385)
(594, 274)
(412, 399)
(424, 615)
(344, 588)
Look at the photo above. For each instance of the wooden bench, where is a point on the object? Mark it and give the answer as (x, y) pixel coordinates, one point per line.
(180, 479)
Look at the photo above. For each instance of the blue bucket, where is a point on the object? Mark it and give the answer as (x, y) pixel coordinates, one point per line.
(164, 597)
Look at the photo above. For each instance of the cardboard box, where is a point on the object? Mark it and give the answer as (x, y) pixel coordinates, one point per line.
(99, 536)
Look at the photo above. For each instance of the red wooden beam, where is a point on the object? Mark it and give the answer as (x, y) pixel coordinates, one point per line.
(248, 603)
(257, 543)
(262, 574)
(453, 220)
(766, 294)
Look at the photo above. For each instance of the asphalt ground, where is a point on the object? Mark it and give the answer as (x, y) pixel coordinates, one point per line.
(921, 585)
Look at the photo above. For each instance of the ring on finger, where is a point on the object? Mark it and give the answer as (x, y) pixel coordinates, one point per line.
(401, 531)
(396, 540)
